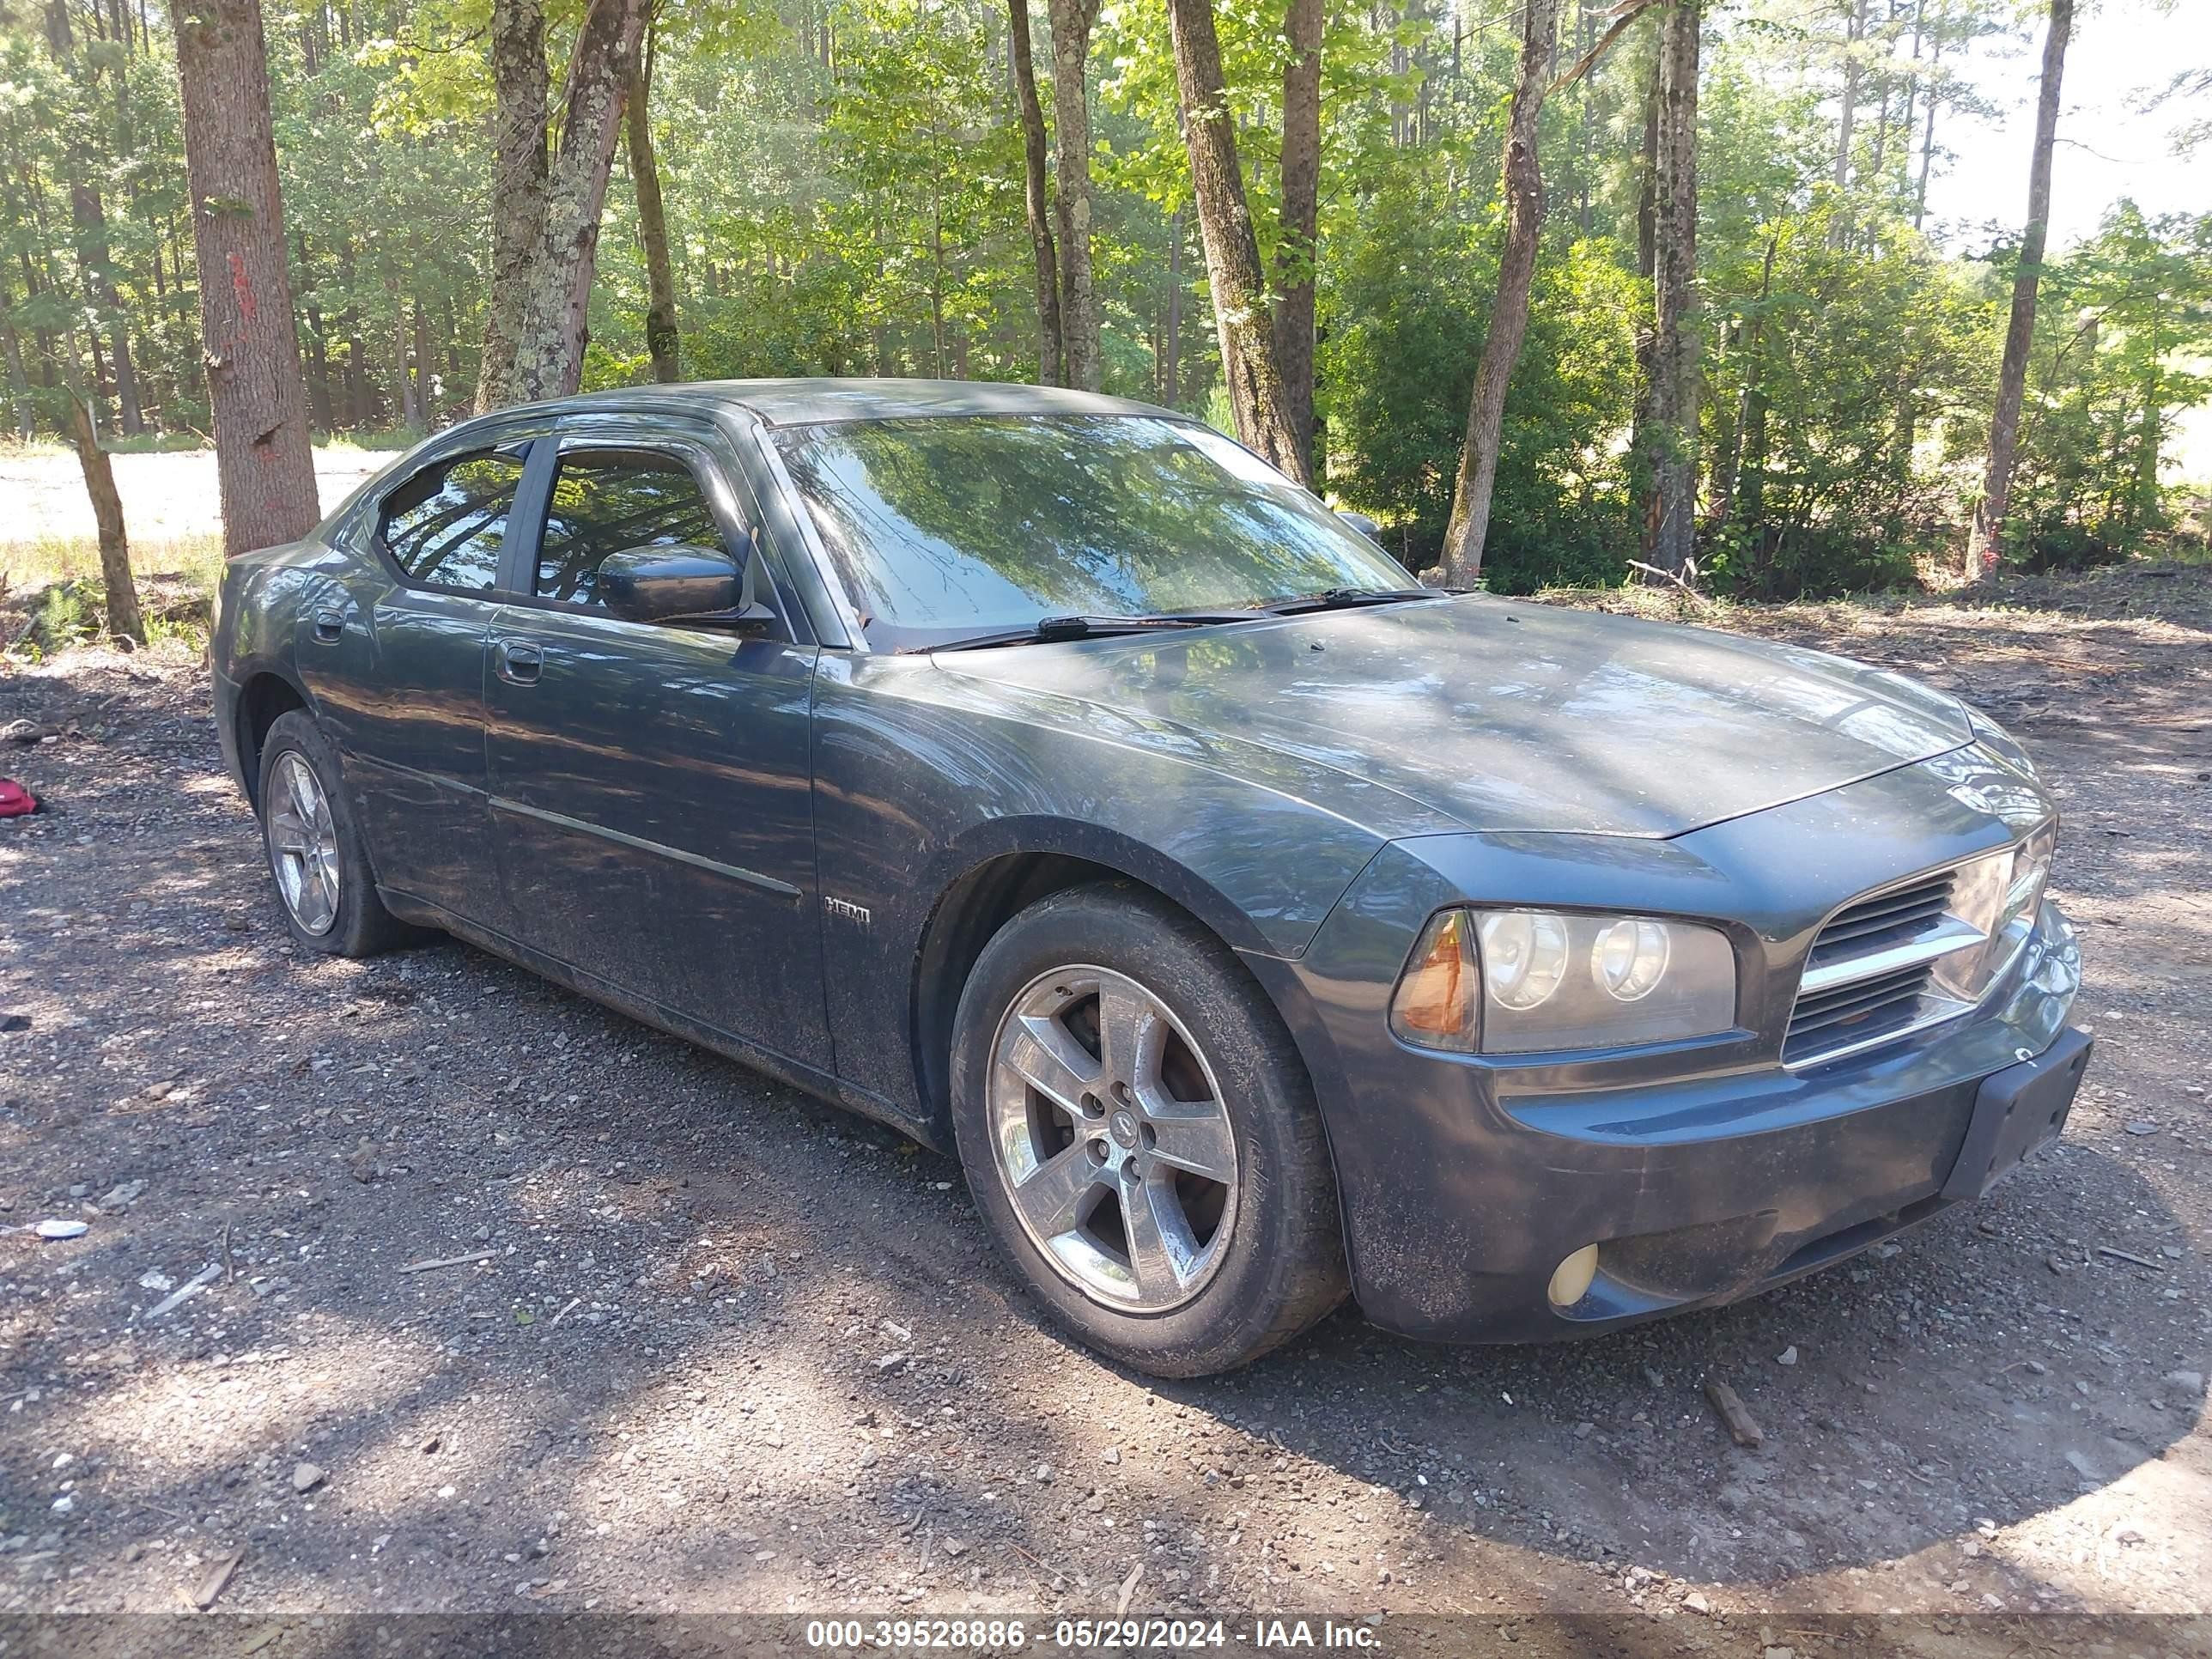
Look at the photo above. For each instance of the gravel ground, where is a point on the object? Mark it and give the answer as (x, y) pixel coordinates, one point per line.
(712, 1346)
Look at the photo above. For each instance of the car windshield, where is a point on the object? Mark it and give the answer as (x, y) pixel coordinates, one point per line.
(948, 527)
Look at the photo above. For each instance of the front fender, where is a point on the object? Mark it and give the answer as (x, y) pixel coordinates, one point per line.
(919, 782)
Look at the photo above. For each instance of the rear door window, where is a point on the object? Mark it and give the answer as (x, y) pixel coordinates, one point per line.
(443, 527)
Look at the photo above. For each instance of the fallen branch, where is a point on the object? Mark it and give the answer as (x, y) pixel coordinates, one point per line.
(448, 1262)
(1623, 15)
(1729, 1404)
(192, 1288)
(218, 1576)
(1042, 1566)
(1128, 1590)
(1654, 570)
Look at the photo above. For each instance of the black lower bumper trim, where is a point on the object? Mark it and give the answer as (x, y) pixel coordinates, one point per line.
(2016, 1111)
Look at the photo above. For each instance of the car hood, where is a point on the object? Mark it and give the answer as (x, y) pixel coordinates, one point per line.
(1497, 715)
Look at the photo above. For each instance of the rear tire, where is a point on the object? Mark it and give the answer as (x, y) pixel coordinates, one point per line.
(326, 890)
(1140, 1134)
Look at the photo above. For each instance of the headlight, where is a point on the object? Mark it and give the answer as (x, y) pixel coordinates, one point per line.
(2000, 896)
(1998, 741)
(1528, 981)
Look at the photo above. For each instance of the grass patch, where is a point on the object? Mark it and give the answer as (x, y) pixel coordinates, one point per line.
(174, 607)
(51, 596)
(152, 443)
(390, 439)
(195, 561)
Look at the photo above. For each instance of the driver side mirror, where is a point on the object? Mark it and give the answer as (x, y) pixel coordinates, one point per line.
(687, 584)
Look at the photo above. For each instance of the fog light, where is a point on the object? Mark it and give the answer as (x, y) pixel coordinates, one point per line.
(1570, 1279)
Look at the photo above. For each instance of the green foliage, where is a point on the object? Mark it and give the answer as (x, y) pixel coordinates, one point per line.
(1407, 316)
(64, 616)
(844, 189)
(2121, 346)
(1860, 350)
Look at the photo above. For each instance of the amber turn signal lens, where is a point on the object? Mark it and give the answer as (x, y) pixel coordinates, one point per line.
(1435, 1005)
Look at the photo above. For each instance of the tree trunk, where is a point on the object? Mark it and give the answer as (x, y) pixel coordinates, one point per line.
(1509, 314)
(1232, 256)
(424, 375)
(550, 336)
(1585, 37)
(409, 414)
(1751, 400)
(1297, 249)
(517, 188)
(1928, 142)
(1647, 180)
(1070, 112)
(264, 470)
(357, 390)
(1855, 30)
(1670, 522)
(1173, 367)
(1910, 115)
(320, 414)
(19, 382)
(1750, 504)
(1051, 359)
(662, 340)
(90, 215)
(122, 618)
(1987, 531)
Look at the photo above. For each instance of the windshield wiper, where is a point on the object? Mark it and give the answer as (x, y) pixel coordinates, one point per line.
(1347, 599)
(1045, 630)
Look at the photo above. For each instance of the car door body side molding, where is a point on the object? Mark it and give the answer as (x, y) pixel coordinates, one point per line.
(639, 843)
(442, 780)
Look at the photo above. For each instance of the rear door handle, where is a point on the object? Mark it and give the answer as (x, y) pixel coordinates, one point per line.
(329, 626)
(516, 663)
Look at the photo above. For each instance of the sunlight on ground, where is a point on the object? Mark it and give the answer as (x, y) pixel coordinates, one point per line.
(2075, 1548)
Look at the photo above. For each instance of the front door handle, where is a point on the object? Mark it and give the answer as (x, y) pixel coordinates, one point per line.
(516, 663)
(329, 626)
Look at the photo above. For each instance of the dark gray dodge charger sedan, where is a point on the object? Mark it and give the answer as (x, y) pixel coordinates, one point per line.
(1044, 775)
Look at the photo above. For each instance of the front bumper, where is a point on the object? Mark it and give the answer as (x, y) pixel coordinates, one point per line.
(1697, 1192)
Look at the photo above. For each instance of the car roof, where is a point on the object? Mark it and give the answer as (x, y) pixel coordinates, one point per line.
(811, 401)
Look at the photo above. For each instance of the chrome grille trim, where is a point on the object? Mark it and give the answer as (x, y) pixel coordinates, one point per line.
(1927, 943)
(1867, 980)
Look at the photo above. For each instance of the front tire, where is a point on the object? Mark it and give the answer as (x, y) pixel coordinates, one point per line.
(1141, 1137)
(326, 891)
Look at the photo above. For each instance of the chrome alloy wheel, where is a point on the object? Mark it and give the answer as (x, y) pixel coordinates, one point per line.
(303, 844)
(1111, 1138)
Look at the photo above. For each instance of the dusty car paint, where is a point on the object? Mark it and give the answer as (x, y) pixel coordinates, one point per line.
(1503, 715)
(772, 847)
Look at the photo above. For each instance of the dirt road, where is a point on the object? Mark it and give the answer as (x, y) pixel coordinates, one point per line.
(708, 1346)
(166, 498)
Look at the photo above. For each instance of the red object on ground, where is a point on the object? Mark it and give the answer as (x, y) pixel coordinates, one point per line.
(15, 799)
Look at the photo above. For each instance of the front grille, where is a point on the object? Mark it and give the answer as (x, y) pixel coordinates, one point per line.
(1866, 977)
(1871, 922)
(1851, 1013)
